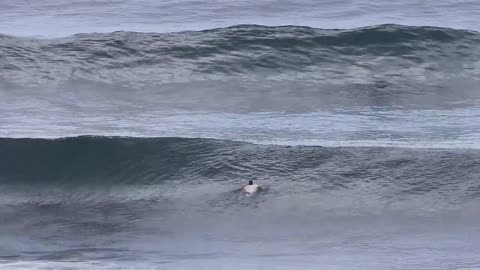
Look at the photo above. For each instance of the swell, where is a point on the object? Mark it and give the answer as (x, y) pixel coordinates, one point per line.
(140, 60)
(117, 168)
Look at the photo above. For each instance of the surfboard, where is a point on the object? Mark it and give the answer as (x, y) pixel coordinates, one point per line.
(250, 189)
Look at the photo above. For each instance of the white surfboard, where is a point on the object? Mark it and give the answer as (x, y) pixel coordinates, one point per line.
(250, 189)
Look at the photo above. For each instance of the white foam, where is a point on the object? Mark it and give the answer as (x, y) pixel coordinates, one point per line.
(453, 128)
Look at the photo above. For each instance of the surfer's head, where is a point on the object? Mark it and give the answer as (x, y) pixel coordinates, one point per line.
(250, 182)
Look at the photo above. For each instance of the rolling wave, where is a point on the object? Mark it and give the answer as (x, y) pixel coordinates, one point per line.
(383, 56)
(116, 169)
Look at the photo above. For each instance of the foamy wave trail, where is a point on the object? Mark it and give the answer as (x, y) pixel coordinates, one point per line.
(205, 174)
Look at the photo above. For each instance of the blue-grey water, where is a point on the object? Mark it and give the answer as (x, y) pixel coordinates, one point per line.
(127, 129)
(56, 18)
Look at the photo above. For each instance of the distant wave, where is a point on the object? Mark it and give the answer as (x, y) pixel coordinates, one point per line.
(384, 55)
(102, 168)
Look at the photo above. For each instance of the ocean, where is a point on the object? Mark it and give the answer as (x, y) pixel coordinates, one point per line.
(128, 129)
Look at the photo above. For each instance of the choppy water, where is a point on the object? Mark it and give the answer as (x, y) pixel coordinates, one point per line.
(127, 150)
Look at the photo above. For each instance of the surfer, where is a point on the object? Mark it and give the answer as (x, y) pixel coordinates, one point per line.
(251, 188)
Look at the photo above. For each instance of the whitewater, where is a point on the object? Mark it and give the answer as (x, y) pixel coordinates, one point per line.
(128, 129)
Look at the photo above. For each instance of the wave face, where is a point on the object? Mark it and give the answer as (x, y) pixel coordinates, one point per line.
(142, 203)
(385, 57)
(100, 170)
